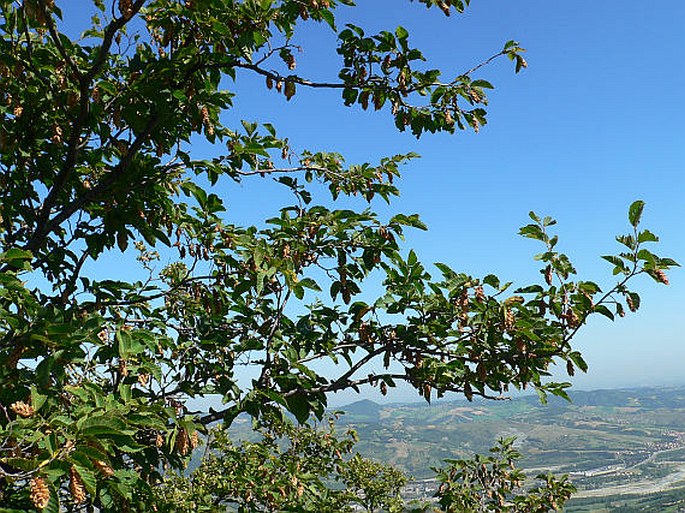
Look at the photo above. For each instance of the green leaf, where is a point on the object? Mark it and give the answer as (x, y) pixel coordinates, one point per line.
(492, 281)
(126, 392)
(532, 231)
(299, 406)
(601, 309)
(647, 256)
(17, 258)
(37, 400)
(576, 358)
(124, 343)
(309, 283)
(104, 425)
(619, 264)
(635, 212)
(647, 236)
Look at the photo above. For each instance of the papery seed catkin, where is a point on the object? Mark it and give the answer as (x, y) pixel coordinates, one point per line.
(22, 409)
(76, 487)
(40, 493)
(103, 467)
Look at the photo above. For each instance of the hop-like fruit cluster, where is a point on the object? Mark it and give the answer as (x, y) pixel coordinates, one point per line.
(182, 442)
(631, 304)
(480, 294)
(572, 319)
(444, 7)
(40, 493)
(103, 467)
(57, 133)
(660, 275)
(22, 409)
(289, 91)
(76, 487)
(123, 367)
(206, 121)
(103, 335)
(509, 320)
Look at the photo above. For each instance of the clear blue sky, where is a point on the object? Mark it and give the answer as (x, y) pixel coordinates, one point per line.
(595, 122)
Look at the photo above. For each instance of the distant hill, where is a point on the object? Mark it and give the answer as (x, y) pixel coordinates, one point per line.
(367, 411)
(364, 411)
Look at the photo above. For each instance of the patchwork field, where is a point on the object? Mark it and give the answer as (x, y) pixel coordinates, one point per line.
(624, 449)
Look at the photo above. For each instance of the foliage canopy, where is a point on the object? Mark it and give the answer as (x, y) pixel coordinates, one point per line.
(96, 156)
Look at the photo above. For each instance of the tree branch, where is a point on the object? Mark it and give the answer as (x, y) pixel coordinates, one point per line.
(45, 227)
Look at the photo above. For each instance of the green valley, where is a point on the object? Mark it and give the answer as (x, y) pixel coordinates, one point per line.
(624, 449)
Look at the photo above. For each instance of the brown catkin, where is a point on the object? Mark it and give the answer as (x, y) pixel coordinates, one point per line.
(159, 440)
(206, 121)
(116, 117)
(22, 409)
(103, 467)
(468, 391)
(631, 304)
(204, 113)
(289, 91)
(40, 493)
(76, 487)
(480, 294)
(194, 440)
(570, 370)
(482, 371)
(449, 119)
(509, 319)
(661, 276)
(56, 134)
(182, 442)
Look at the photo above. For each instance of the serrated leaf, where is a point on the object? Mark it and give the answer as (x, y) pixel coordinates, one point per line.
(635, 212)
(401, 33)
(105, 425)
(601, 309)
(647, 236)
(89, 478)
